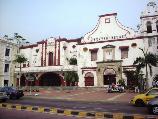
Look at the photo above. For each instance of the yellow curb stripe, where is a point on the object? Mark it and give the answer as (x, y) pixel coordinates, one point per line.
(53, 110)
(29, 108)
(18, 107)
(118, 116)
(67, 112)
(139, 117)
(9, 106)
(82, 114)
(99, 115)
(0, 105)
(40, 109)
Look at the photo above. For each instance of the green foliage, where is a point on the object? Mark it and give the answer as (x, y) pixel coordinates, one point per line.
(121, 82)
(20, 59)
(71, 76)
(146, 62)
(73, 61)
(136, 77)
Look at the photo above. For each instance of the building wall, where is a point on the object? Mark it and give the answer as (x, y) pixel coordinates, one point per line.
(9, 75)
(109, 34)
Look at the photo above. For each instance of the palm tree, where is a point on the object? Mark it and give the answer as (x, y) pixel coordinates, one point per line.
(71, 76)
(147, 61)
(20, 59)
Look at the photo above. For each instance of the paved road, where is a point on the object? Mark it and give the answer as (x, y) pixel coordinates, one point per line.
(122, 107)
(14, 114)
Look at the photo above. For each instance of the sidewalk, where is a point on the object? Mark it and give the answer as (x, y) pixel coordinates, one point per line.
(81, 95)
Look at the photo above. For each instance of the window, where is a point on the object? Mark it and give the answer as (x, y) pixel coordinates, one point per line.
(151, 41)
(7, 51)
(94, 55)
(107, 20)
(149, 27)
(6, 68)
(124, 53)
(109, 54)
(157, 26)
(153, 92)
(50, 59)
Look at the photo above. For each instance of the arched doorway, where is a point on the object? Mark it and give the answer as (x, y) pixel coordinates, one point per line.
(50, 79)
(109, 77)
(22, 80)
(50, 59)
(89, 79)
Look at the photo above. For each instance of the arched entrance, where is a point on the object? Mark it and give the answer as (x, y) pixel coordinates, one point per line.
(89, 79)
(22, 80)
(50, 79)
(109, 77)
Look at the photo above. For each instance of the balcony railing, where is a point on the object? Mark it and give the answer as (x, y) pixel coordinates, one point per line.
(47, 69)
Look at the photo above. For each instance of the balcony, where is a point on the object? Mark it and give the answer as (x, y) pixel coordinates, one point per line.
(48, 69)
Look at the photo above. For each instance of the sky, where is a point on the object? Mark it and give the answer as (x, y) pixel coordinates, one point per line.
(37, 20)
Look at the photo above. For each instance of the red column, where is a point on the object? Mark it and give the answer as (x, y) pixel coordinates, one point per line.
(45, 52)
(17, 82)
(55, 54)
(37, 83)
(59, 54)
(42, 56)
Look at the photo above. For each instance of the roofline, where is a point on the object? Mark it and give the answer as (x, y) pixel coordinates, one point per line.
(112, 14)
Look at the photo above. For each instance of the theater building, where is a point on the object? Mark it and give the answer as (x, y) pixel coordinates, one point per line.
(103, 54)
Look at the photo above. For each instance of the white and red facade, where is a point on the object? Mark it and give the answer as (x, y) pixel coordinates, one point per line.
(102, 54)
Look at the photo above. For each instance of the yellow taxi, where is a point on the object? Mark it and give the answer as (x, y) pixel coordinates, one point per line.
(142, 99)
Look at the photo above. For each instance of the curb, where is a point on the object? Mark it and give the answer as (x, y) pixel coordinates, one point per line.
(78, 113)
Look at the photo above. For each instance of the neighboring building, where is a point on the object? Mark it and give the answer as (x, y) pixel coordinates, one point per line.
(8, 49)
(103, 54)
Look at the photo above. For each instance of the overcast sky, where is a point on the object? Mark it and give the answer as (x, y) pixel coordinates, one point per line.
(36, 20)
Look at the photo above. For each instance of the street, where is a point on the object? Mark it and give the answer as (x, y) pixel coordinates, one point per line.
(121, 107)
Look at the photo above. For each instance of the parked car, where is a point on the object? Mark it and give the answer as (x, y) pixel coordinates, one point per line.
(115, 88)
(3, 96)
(152, 106)
(12, 92)
(142, 99)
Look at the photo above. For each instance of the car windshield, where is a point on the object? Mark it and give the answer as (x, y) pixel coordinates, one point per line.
(153, 92)
(7, 89)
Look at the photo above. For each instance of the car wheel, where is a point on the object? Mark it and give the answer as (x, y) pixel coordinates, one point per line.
(17, 97)
(139, 103)
(10, 97)
(4, 100)
(155, 110)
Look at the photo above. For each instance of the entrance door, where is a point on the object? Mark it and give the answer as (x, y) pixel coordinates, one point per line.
(50, 79)
(109, 77)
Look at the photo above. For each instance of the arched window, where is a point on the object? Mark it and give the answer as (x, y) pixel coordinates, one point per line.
(50, 59)
(149, 27)
(157, 26)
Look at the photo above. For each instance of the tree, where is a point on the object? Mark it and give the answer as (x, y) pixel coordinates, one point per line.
(135, 78)
(147, 61)
(73, 61)
(71, 76)
(20, 59)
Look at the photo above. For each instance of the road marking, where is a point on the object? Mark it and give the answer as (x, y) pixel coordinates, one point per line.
(78, 113)
(115, 97)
